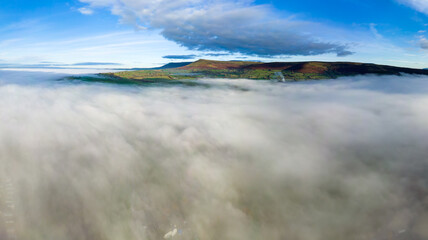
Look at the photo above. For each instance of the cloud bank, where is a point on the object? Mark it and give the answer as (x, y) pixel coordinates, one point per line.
(240, 159)
(231, 26)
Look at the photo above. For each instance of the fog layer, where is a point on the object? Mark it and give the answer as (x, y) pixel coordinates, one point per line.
(233, 159)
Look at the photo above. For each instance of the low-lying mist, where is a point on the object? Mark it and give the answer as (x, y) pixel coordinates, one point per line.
(240, 159)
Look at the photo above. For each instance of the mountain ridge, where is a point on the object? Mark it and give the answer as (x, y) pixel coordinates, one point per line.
(305, 67)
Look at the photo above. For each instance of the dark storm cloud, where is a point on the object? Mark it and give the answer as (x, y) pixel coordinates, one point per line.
(226, 26)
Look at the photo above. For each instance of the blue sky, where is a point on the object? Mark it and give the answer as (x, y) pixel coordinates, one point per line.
(145, 33)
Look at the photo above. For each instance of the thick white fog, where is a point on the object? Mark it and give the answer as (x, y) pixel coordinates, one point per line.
(233, 159)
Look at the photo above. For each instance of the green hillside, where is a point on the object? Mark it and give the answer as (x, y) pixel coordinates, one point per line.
(283, 71)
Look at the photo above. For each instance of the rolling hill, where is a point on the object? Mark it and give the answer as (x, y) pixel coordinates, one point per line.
(284, 71)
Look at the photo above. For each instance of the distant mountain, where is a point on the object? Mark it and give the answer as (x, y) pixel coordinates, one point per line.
(283, 71)
(174, 65)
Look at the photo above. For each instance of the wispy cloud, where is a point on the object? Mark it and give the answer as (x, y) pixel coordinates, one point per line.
(117, 45)
(7, 42)
(84, 39)
(86, 11)
(96, 64)
(44, 64)
(375, 32)
(419, 5)
(216, 54)
(26, 25)
(191, 56)
(127, 47)
(231, 26)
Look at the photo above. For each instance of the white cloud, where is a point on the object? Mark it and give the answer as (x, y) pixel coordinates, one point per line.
(419, 5)
(86, 11)
(423, 43)
(233, 26)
